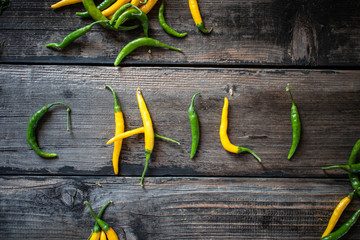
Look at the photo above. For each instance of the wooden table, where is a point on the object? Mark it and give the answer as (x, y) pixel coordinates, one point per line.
(255, 49)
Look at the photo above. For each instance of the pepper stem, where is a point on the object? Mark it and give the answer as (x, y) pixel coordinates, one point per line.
(148, 154)
(288, 90)
(104, 226)
(191, 108)
(345, 167)
(242, 149)
(117, 107)
(166, 138)
(68, 113)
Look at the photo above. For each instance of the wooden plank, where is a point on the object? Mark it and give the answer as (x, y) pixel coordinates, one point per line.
(255, 32)
(173, 208)
(259, 118)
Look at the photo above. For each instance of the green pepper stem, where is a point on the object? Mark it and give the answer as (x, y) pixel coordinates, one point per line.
(117, 107)
(242, 149)
(345, 167)
(191, 108)
(166, 138)
(104, 226)
(148, 154)
(68, 113)
(288, 90)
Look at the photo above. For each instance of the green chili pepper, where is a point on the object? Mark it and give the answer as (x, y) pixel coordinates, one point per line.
(98, 16)
(354, 178)
(144, 41)
(96, 227)
(33, 123)
(164, 25)
(194, 123)
(102, 6)
(74, 35)
(296, 124)
(351, 168)
(134, 13)
(120, 11)
(104, 226)
(344, 228)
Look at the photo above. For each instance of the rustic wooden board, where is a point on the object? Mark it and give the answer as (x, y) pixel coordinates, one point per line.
(172, 208)
(255, 32)
(259, 119)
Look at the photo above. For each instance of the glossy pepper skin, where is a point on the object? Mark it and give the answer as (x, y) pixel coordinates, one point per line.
(119, 12)
(353, 177)
(112, 9)
(228, 146)
(73, 36)
(135, 14)
(337, 214)
(194, 123)
(344, 228)
(295, 123)
(149, 4)
(148, 131)
(110, 233)
(119, 128)
(195, 12)
(33, 123)
(65, 3)
(102, 6)
(164, 25)
(95, 234)
(144, 41)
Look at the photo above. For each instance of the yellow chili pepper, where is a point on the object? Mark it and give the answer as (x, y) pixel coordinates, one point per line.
(126, 134)
(148, 130)
(95, 236)
(148, 6)
(119, 128)
(65, 3)
(103, 236)
(224, 137)
(113, 8)
(195, 12)
(337, 213)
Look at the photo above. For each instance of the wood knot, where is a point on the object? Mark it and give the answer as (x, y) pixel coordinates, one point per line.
(71, 196)
(304, 45)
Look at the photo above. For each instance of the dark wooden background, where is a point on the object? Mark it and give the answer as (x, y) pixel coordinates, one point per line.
(255, 49)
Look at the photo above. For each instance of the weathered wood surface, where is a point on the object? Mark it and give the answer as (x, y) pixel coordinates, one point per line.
(256, 32)
(259, 118)
(172, 208)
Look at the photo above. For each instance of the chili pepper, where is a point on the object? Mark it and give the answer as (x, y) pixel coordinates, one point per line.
(354, 178)
(119, 128)
(102, 6)
(148, 130)
(134, 13)
(120, 11)
(33, 123)
(95, 234)
(195, 12)
(144, 41)
(110, 233)
(4, 4)
(98, 16)
(74, 35)
(148, 5)
(164, 25)
(65, 3)
(344, 228)
(103, 236)
(351, 168)
(194, 123)
(295, 123)
(112, 9)
(224, 137)
(137, 131)
(337, 214)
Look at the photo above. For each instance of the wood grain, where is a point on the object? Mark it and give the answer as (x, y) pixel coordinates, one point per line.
(255, 32)
(259, 118)
(172, 208)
